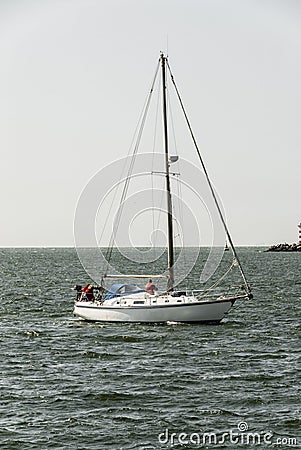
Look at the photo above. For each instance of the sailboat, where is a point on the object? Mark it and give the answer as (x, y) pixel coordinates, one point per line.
(130, 303)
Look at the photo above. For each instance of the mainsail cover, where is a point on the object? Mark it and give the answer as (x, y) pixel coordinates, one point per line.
(119, 290)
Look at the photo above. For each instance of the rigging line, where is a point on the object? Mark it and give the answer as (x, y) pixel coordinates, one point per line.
(123, 196)
(161, 203)
(210, 185)
(144, 107)
(181, 215)
(172, 123)
(216, 283)
(132, 162)
(178, 183)
(153, 155)
(129, 151)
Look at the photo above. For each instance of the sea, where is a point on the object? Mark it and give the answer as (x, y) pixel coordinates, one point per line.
(69, 384)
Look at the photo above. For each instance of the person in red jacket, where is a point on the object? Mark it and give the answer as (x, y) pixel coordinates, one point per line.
(87, 293)
(151, 287)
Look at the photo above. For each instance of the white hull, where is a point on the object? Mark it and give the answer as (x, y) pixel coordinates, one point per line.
(190, 310)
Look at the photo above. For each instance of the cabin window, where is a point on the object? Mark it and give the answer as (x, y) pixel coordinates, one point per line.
(138, 302)
(179, 301)
(166, 301)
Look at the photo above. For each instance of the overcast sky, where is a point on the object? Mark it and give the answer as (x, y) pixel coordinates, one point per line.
(74, 76)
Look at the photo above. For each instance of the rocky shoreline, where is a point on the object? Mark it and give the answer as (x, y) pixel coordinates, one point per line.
(285, 248)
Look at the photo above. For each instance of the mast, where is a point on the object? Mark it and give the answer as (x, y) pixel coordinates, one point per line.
(170, 248)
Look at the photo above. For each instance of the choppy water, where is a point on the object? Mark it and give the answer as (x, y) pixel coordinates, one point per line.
(66, 384)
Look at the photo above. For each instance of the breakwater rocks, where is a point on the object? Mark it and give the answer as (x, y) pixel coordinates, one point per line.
(285, 248)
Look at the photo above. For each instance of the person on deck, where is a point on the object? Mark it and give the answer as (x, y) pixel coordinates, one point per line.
(87, 292)
(151, 287)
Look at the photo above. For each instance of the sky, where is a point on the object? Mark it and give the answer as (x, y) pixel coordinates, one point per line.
(74, 76)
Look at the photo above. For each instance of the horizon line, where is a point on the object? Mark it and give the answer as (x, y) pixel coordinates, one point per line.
(138, 246)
